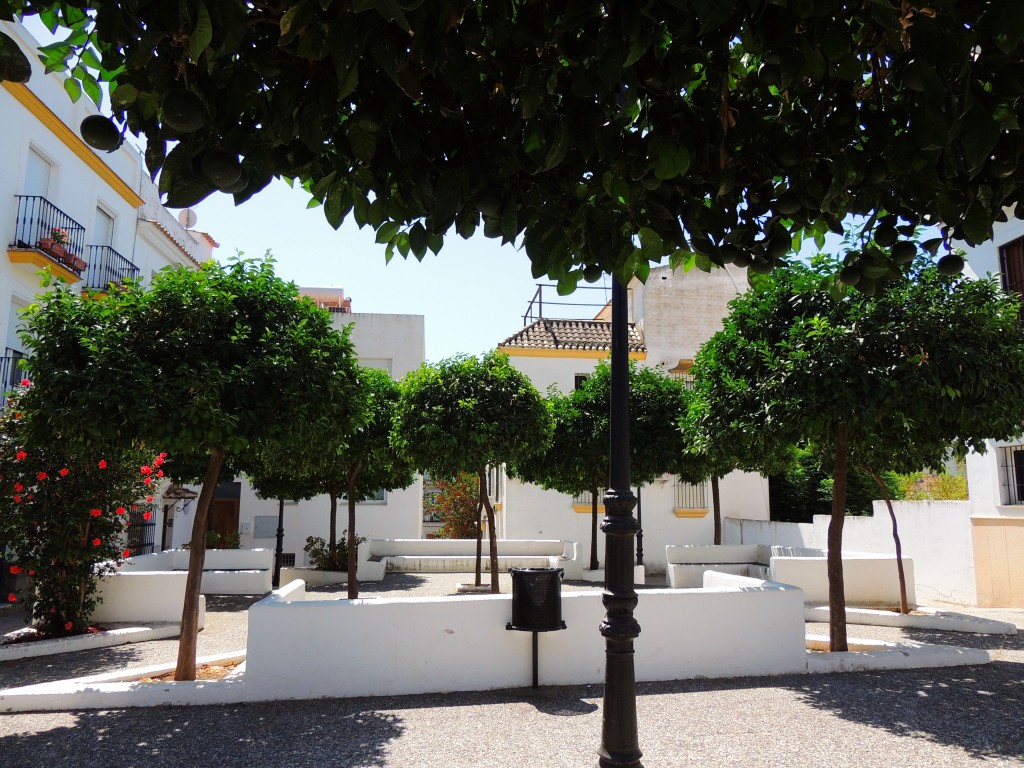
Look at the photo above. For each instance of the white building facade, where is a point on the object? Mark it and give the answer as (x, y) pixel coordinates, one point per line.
(104, 204)
(671, 315)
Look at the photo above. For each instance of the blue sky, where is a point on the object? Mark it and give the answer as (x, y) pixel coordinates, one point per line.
(473, 294)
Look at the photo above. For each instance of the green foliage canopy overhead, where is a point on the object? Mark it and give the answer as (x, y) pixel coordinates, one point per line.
(603, 136)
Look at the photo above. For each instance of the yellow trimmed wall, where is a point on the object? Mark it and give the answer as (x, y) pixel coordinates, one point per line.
(999, 561)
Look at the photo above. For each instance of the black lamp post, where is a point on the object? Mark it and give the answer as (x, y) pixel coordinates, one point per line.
(619, 742)
(279, 552)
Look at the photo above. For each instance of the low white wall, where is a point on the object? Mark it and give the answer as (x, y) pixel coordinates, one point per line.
(723, 553)
(465, 547)
(145, 597)
(228, 559)
(936, 535)
(422, 645)
(867, 579)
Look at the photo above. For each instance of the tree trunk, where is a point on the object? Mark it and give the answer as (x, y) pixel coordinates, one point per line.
(904, 608)
(594, 565)
(716, 508)
(492, 534)
(353, 580)
(332, 532)
(186, 668)
(836, 589)
(479, 535)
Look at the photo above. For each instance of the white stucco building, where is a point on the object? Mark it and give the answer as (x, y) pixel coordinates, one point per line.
(671, 315)
(105, 202)
(996, 478)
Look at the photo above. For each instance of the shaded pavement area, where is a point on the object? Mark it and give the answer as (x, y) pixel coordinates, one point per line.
(961, 716)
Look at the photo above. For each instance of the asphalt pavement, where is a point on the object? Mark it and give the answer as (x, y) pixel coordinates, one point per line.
(961, 716)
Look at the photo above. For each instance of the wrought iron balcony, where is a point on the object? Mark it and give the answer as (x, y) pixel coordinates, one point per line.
(106, 267)
(37, 219)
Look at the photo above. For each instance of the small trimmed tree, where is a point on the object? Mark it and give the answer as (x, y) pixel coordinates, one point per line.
(577, 459)
(207, 363)
(466, 414)
(935, 361)
(64, 512)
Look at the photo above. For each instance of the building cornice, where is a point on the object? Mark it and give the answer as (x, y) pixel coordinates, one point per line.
(72, 141)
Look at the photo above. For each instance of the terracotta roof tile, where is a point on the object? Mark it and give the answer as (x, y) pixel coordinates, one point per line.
(570, 334)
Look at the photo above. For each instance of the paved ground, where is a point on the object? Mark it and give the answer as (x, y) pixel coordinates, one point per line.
(967, 716)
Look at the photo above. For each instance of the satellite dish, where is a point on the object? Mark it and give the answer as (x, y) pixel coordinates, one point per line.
(187, 218)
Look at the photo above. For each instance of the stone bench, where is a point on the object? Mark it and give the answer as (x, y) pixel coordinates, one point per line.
(458, 555)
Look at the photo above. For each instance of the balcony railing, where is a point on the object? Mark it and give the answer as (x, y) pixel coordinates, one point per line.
(106, 267)
(690, 496)
(37, 218)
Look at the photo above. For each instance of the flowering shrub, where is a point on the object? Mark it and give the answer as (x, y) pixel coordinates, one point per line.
(455, 505)
(323, 557)
(59, 236)
(64, 515)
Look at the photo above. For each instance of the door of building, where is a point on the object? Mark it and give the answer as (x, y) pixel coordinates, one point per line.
(224, 518)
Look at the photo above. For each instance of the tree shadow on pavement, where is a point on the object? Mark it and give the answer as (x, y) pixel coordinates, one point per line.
(975, 708)
(305, 734)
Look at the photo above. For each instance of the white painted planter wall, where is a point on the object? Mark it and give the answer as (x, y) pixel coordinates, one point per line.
(144, 597)
(936, 535)
(423, 645)
(225, 571)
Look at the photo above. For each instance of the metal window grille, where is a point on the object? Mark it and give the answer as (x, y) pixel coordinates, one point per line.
(141, 535)
(287, 559)
(587, 498)
(493, 485)
(579, 379)
(689, 496)
(1012, 471)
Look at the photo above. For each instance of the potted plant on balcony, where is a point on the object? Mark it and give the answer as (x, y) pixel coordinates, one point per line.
(55, 242)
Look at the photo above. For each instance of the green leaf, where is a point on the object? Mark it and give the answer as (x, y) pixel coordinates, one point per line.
(418, 240)
(123, 95)
(90, 59)
(294, 20)
(363, 141)
(387, 232)
(74, 90)
(652, 247)
(202, 35)
(337, 205)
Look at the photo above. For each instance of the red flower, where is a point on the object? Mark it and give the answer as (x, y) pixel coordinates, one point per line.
(159, 473)
(96, 542)
(147, 515)
(12, 598)
(31, 572)
(19, 487)
(103, 464)
(20, 456)
(26, 383)
(15, 569)
(95, 512)
(148, 480)
(69, 625)
(146, 471)
(119, 510)
(149, 499)
(126, 553)
(41, 476)
(17, 499)
(63, 472)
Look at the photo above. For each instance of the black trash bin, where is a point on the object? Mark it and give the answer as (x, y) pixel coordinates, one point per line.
(537, 599)
(536, 604)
